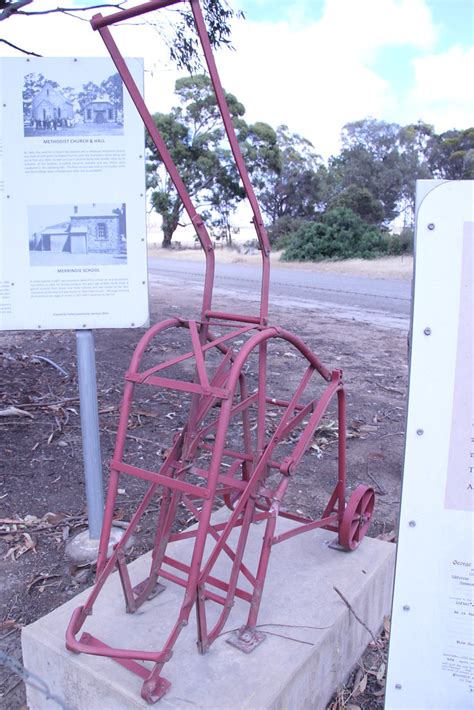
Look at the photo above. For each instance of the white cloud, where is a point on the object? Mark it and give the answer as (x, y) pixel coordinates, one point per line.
(301, 79)
(367, 25)
(320, 75)
(443, 88)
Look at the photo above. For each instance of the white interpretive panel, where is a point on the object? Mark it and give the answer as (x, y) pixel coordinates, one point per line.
(431, 657)
(72, 192)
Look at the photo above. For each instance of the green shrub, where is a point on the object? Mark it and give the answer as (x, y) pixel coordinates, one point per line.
(341, 234)
(281, 232)
(399, 244)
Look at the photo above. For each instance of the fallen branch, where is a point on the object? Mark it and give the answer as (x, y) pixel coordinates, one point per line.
(357, 617)
(50, 405)
(14, 412)
(60, 369)
(392, 390)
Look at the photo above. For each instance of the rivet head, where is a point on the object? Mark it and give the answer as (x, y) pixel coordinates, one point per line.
(431, 226)
(398, 686)
(427, 331)
(412, 524)
(420, 432)
(406, 607)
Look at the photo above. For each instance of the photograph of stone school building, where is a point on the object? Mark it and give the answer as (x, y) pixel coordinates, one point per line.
(91, 234)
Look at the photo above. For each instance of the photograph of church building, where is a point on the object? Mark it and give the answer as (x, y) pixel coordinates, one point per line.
(50, 107)
(76, 106)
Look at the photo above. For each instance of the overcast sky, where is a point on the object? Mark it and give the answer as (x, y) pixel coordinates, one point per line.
(311, 64)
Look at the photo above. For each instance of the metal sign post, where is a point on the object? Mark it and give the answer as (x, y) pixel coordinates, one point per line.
(90, 431)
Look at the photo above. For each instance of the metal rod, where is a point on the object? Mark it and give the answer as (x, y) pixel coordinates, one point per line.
(99, 21)
(90, 431)
(168, 162)
(236, 152)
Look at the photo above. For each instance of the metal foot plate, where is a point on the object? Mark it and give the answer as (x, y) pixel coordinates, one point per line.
(157, 589)
(153, 690)
(246, 639)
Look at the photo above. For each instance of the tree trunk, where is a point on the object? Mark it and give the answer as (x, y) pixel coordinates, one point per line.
(170, 224)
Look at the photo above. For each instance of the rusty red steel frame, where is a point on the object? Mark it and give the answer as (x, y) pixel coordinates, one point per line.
(205, 466)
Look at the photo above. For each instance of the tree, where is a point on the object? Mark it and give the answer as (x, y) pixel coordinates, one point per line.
(33, 83)
(383, 158)
(451, 154)
(225, 194)
(287, 173)
(193, 133)
(113, 87)
(89, 93)
(181, 42)
(361, 201)
(370, 160)
(413, 145)
(281, 232)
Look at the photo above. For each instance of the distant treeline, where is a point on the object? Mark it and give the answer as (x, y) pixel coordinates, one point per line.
(313, 210)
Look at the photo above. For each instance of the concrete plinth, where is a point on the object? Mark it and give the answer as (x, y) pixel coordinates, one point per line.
(323, 639)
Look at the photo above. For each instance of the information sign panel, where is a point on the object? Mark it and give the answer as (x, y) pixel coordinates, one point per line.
(72, 214)
(431, 657)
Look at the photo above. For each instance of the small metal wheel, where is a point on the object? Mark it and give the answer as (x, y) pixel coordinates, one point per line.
(356, 517)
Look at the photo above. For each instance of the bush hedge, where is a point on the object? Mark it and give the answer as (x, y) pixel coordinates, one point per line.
(342, 234)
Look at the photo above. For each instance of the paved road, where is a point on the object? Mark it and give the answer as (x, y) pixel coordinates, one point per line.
(380, 301)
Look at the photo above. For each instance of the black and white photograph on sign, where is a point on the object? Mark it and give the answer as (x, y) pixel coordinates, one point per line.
(77, 235)
(65, 101)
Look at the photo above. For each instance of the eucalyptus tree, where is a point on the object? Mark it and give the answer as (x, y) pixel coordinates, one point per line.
(451, 154)
(288, 174)
(384, 160)
(194, 135)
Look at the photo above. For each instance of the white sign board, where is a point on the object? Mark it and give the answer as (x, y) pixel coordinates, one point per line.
(72, 196)
(431, 658)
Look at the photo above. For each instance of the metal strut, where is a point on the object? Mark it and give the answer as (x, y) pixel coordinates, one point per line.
(224, 454)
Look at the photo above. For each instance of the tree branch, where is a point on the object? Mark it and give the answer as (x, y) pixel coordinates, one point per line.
(11, 7)
(182, 42)
(19, 49)
(116, 5)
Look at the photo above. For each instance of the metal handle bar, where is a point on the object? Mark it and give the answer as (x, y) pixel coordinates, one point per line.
(101, 24)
